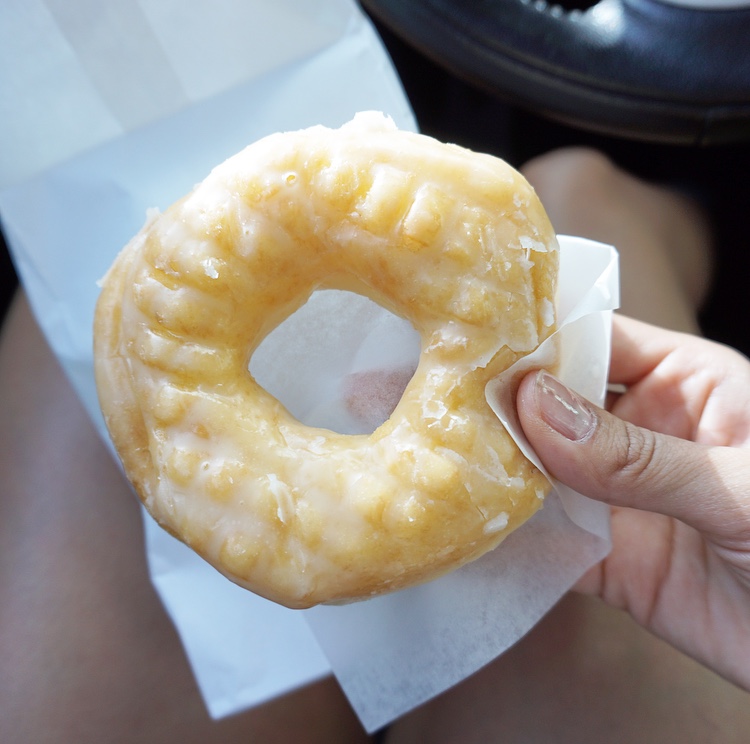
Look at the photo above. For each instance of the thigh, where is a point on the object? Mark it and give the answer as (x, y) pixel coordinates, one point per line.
(663, 237)
(586, 674)
(87, 653)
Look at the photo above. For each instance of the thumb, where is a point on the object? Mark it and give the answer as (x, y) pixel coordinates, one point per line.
(611, 460)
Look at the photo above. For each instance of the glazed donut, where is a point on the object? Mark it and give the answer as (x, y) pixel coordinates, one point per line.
(453, 241)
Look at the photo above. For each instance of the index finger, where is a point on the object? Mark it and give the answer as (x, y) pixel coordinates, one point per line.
(638, 348)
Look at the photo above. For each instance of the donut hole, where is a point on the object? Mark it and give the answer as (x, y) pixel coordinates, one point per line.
(340, 362)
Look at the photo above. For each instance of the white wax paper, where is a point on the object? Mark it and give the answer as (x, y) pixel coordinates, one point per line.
(108, 109)
(394, 652)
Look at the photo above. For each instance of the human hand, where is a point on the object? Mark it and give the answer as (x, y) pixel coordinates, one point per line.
(673, 459)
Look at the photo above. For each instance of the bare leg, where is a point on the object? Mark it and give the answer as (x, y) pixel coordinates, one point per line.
(662, 236)
(588, 673)
(87, 653)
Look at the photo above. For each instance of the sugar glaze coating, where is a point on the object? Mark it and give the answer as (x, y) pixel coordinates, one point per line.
(454, 241)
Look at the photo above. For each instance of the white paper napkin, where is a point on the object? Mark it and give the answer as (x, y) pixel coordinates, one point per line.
(394, 652)
(128, 113)
(110, 109)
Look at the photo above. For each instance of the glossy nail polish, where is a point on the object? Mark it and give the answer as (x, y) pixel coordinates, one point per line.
(565, 411)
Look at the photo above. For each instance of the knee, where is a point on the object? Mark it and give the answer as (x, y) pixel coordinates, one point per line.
(570, 168)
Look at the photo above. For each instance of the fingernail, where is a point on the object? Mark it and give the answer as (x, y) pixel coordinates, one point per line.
(566, 412)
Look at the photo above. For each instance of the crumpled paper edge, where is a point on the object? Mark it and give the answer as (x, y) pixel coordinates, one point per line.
(230, 692)
(393, 653)
(60, 253)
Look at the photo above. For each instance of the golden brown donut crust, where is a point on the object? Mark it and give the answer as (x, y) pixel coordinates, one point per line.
(454, 241)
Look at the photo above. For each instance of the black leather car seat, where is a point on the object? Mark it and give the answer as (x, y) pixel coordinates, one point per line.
(671, 71)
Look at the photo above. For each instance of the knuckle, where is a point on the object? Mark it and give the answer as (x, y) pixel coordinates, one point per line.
(637, 457)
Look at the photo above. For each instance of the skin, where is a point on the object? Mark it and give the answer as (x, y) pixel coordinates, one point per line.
(87, 653)
(596, 670)
(662, 236)
(673, 460)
